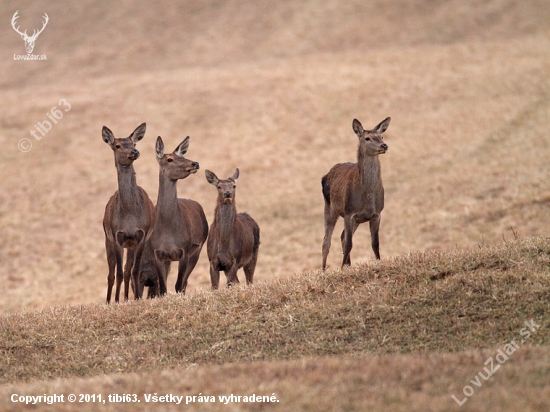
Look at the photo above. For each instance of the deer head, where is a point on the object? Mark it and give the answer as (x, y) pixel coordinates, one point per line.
(174, 165)
(371, 142)
(226, 188)
(124, 148)
(29, 40)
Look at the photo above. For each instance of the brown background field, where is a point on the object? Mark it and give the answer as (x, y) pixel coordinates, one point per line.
(272, 88)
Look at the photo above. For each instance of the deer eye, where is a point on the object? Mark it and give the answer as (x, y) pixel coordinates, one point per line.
(117, 146)
(170, 160)
(367, 139)
(234, 186)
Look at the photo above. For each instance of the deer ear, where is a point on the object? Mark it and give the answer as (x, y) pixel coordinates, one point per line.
(211, 177)
(357, 127)
(160, 148)
(138, 134)
(182, 147)
(107, 135)
(382, 126)
(235, 175)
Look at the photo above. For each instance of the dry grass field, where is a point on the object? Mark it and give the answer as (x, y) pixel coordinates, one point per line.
(272, 88)
(406, 333)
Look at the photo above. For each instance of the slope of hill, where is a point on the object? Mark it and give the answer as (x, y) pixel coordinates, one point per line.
(469, 303)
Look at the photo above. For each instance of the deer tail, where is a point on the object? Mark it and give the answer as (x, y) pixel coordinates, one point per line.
(256, 231)
(326, 189)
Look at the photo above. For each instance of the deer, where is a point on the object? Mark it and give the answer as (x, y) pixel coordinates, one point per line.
(180, 228)
(29, 40)
(148, 275)
(355, 192)
(128, 214)
(234, 237)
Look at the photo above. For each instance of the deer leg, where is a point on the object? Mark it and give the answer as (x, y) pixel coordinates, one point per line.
(111, 262)
(138, 291)
(191, 263)
(137, 283)
(181, 283)
(119, 252)
(137, 279)
(162, 273)
(162, 281)
(152, 292)
(330, 221)
(231, 275)
(350, 226)
(214, 276)
(250, 268)
(343, 240)
(128, 271)
(136, 260)
(374, 225)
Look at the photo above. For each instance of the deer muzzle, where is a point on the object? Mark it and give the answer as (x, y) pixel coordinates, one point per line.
(134, 154)
(194, 167)
(227, 198)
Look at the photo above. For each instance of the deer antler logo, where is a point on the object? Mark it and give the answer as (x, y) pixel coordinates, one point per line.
(29, 40)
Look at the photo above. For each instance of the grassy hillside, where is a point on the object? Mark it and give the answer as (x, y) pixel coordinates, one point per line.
(466, 303)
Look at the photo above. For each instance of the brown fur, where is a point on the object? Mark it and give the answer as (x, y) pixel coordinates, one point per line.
(355, 192)
(180, 228)
(234, 238)
(148, 274)
(128, 214)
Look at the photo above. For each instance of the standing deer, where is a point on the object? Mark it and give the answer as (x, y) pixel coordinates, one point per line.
(355, 192)
(128, 214)
(180, 228)
(234, 237)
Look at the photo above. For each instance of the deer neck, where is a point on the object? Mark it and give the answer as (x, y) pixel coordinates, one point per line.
(369, 172)
(167, 209)
(224, 217)
(128, 190)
